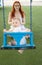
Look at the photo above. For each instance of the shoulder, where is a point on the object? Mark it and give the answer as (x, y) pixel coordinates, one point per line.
(23, 13)
(9, 13)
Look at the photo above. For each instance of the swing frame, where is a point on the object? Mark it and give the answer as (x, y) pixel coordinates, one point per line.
(18, 35)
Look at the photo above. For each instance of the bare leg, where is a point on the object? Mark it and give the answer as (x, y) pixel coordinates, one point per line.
(12, 43)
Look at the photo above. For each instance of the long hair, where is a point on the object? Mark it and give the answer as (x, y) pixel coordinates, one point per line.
(13, 10)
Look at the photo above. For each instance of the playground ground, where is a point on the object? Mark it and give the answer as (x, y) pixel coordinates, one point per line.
(29, 56)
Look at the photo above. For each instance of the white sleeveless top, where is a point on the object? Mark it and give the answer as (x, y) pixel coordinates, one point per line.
(19, 16)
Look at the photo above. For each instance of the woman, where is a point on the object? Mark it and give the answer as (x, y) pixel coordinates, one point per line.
(16, 12)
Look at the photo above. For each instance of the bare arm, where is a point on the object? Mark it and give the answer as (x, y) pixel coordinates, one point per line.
(9, 19)
(10, 30)
(23, 20)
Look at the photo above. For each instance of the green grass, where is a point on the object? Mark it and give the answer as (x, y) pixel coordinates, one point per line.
(30, 56)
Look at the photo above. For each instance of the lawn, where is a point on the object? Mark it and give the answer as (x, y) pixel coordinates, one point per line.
(29, 56)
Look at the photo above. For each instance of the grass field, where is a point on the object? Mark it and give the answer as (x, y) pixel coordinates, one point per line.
(30, 56)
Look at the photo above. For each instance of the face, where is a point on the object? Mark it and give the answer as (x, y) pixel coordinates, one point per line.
(16, 23)
(16, 6)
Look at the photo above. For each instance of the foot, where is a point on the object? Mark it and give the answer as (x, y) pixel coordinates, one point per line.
(20, 51)
(27, 36)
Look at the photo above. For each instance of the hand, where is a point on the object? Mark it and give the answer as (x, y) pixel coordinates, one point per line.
(23, 23)
(28, 30)
(4, 30)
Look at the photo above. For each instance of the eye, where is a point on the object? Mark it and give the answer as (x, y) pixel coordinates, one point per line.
(13, 22)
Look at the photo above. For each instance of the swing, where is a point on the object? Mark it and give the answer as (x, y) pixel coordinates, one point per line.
(18, 35)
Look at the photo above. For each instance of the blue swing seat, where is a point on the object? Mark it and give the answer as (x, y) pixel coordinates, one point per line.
(18, 36)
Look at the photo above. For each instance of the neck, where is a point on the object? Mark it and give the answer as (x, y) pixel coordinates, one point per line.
(17, 11)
